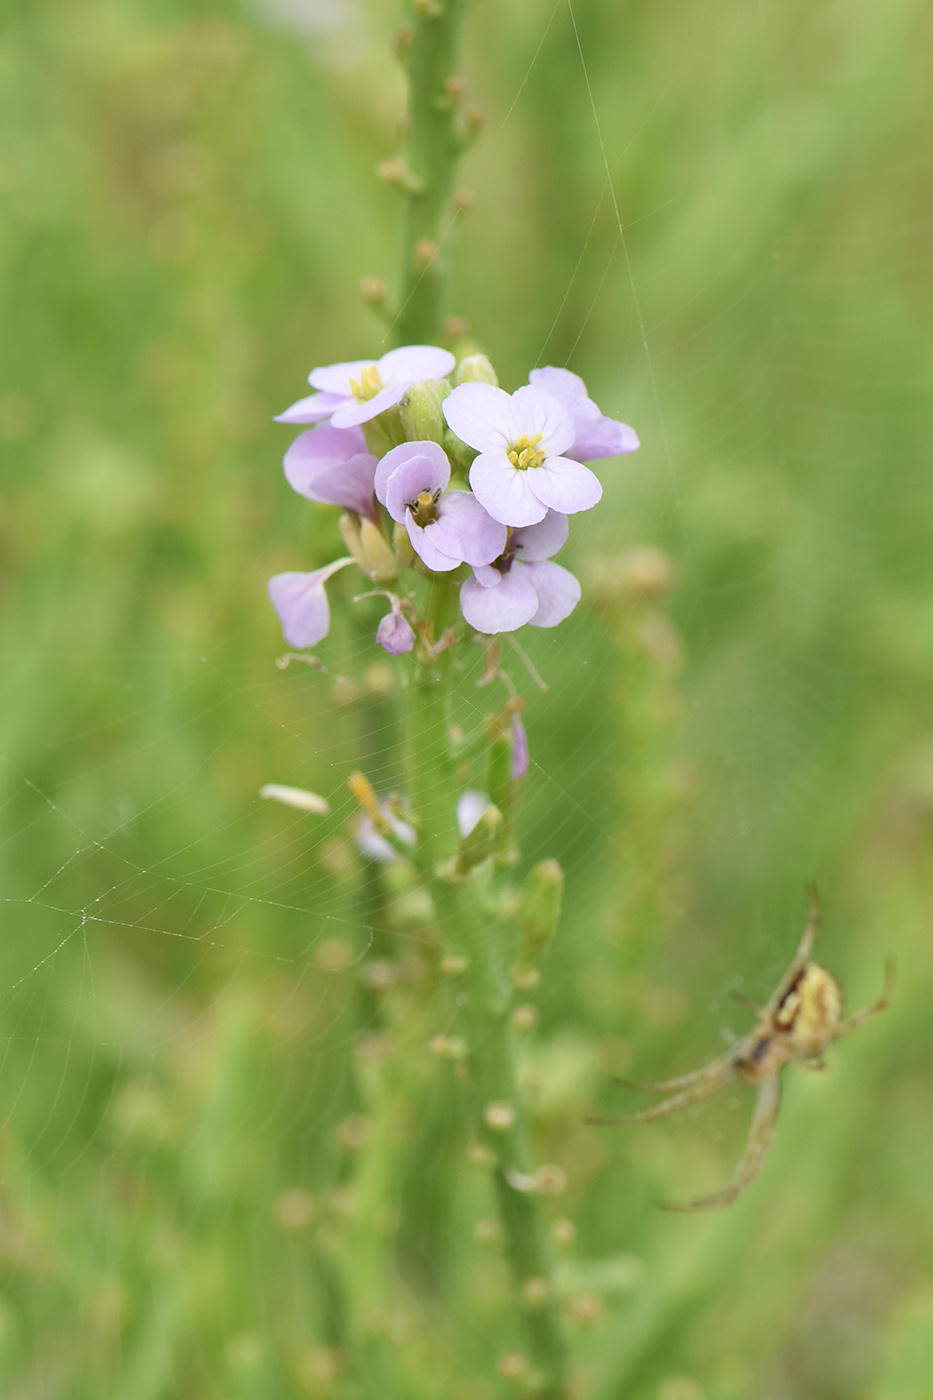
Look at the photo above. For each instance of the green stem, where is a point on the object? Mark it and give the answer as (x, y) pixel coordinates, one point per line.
(492, 1063)
(429, 762)
(434, 147)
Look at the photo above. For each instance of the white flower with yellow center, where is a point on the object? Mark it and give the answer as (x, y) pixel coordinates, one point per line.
(356, 391)
(520, 472)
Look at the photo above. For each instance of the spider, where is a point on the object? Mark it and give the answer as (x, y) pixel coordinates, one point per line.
(804, 1016)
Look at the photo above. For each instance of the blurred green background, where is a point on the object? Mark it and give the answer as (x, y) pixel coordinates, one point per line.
(187, 991)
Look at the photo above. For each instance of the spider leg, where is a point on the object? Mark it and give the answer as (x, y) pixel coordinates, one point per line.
(749, 1005)
(759, 1140)
(802, 955)
(717, 1074)
(681, 1081)
(884, 1001)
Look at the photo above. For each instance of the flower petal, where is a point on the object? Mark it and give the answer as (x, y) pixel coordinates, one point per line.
(482, 416)
(470, 807)
(503, 609)
(541, 541)
(557, 589)
(519, 749)
(425, 545)
(411, 363)
(350, 485)
(311, 410)
(353, 412)
(538, 412)
(335, 379)
(467, 530)
(596, 435)
(603, 437)
(502, 490)
(408, 470)
(332, 465)
(301, 603)
(565, 485)
(561, 384)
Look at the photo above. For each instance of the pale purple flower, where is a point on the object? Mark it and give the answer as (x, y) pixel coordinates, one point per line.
(394, 633)
(331, 465)
(355, 391)
(523, 586)
(301, 603)
(596, 435)
(373, 844)
(521, 471)
(446, 528)
(519, 749)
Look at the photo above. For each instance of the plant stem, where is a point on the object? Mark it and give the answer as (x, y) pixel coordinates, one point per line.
(429, 762)
(433, 150)
(492, 1064)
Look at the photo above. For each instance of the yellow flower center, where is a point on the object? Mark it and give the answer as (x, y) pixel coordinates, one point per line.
(368, 385)
(525, 453)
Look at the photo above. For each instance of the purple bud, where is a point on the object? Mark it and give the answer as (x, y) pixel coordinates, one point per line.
(519, 749)
(394, 634)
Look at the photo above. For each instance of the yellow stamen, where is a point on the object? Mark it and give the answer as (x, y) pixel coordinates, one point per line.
(368, 385)
(522, 453)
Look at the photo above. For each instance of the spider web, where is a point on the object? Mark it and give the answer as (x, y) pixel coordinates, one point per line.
(163, 918)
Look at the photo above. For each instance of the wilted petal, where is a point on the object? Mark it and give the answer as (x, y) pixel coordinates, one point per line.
(541, 541)
(564, 485)
(394, 634)
(312, 409)
(501, 609)
(412, 363)
(538, 412)
(408, 470)
(301, 603)
(465, 530)
(557, 590)
(501, 490)
(481, 415)
(519, 749)
(470, 807)
(299, 798)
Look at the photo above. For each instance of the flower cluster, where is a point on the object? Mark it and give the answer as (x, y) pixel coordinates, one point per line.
(440, 471)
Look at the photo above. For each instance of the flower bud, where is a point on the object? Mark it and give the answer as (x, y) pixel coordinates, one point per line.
(476, 846)
(476, 369)
(459, 455)
(350, 530)
(374, 290)
(407, 558)
(422, 416)
(380, 561)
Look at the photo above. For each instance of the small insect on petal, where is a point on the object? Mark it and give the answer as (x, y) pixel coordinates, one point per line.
(296, 797)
